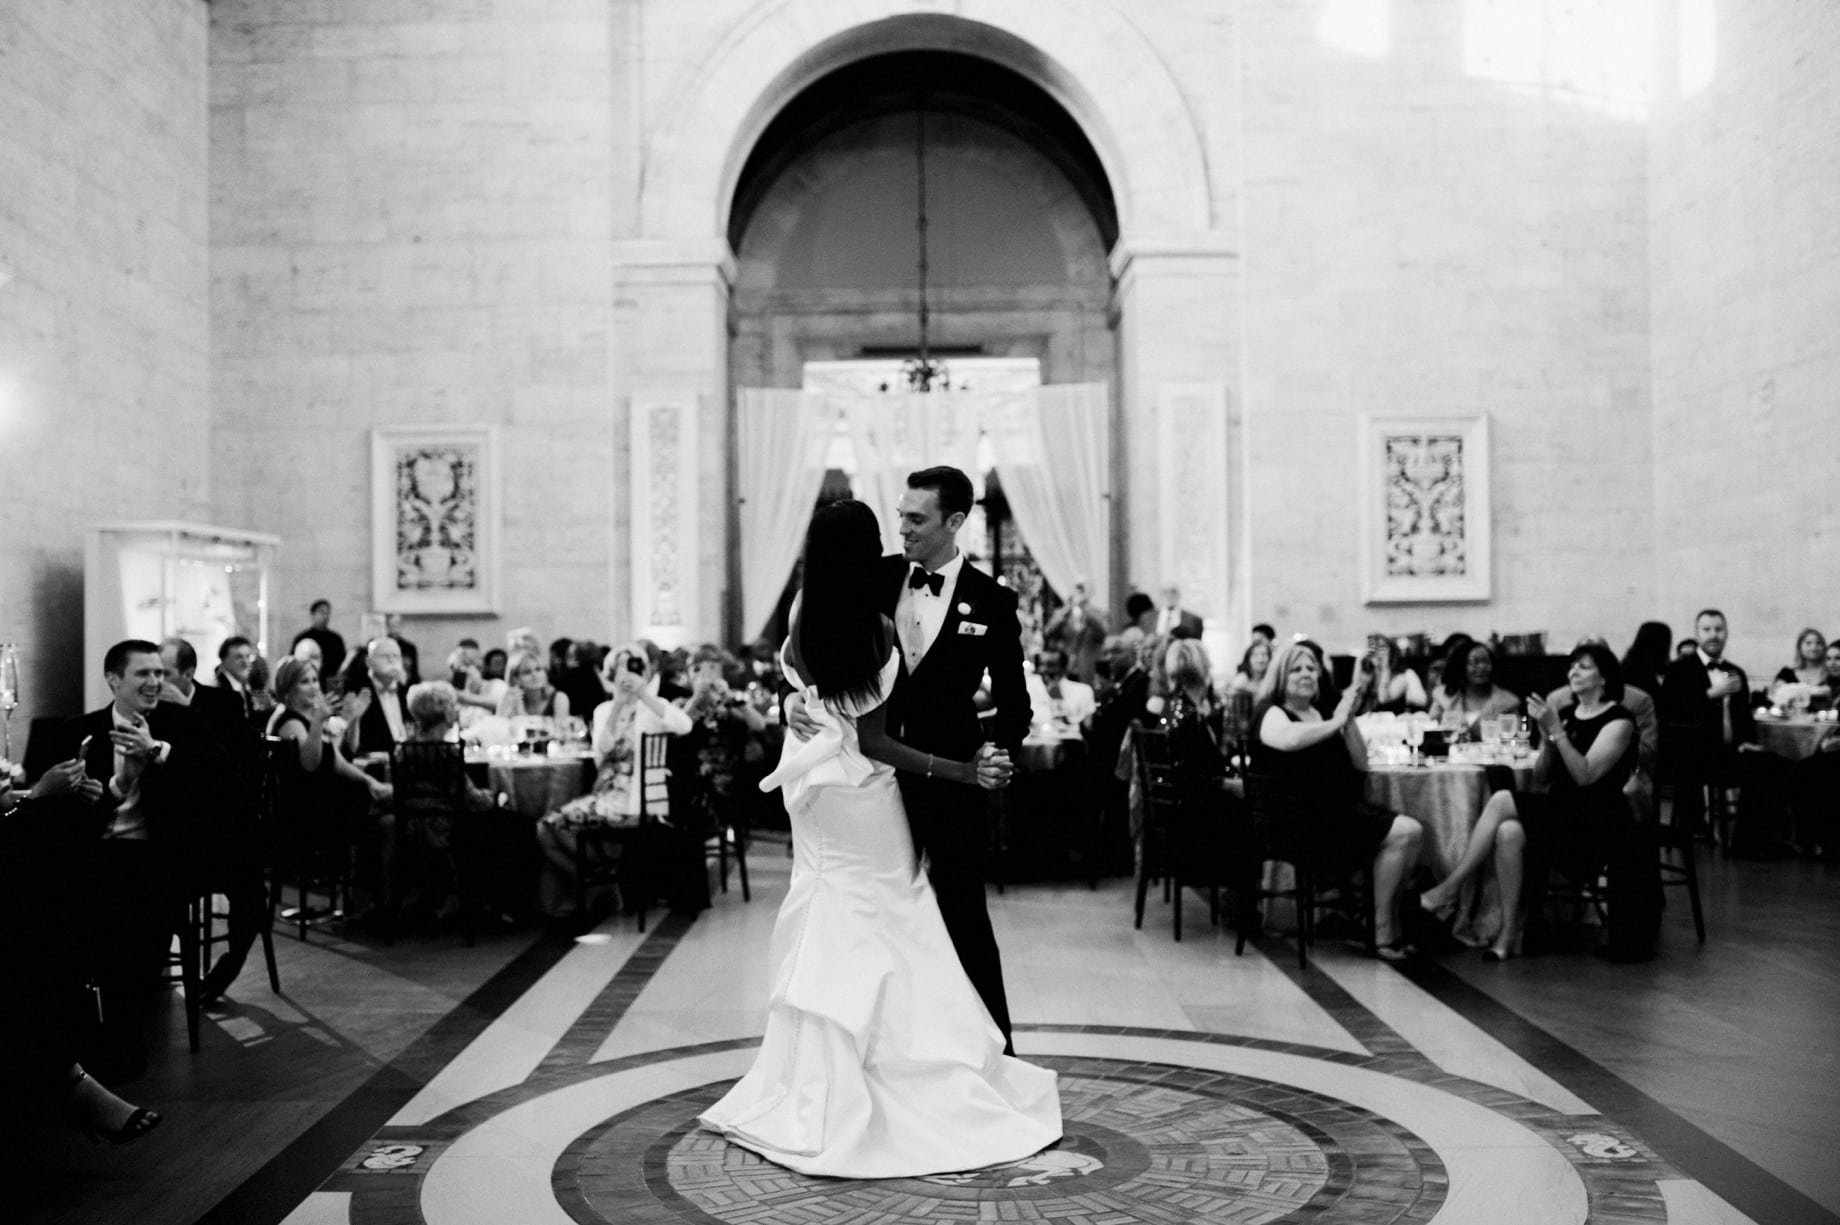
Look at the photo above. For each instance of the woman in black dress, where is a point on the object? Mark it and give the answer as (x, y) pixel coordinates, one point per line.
(1577, 819)
(1322, 758)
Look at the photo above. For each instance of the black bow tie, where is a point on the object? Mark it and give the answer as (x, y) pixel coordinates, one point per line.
(935, 583)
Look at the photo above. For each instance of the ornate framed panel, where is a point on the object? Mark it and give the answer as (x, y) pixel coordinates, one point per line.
(435, 519)
(1425, 529)
(666, 545)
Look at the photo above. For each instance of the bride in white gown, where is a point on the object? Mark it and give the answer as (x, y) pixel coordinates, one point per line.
(879, 1060)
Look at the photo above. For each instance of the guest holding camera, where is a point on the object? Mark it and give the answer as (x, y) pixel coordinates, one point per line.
(1322, 759)
(632, 711)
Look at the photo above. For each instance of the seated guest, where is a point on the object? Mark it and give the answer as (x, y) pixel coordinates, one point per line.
(157, 764)
(373, 700)
(1685, 648)
(528, 691)
(39, 1028)
(230, 842)
(492, 674)
(424, 800)
(712, 757)
(1192, 718)
(1576, 819)
(1324, 759)
(1328, 694)
(581, 682)
(1808, 668)
(1707, 697)
(1060, 704)
(1140, 612)
(1077, 631)
(319, 810)
(1469, 689)
(633, 710)
(467, 677)
(1252, 668)
(1437, 668)
(1647, 659)
(235, 657)
(1396, 687)
(1640, 704)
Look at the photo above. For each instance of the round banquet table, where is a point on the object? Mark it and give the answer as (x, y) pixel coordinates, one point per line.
(1446, 800)
(1794, 738)
(536, 784)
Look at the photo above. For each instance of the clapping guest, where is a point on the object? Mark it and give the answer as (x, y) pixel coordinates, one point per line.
(374, 699)
(1576, 819)
(1469, 687)
(632, 711)
(1809, 666)
(528, 691)
(319, 809)
(1324, 759)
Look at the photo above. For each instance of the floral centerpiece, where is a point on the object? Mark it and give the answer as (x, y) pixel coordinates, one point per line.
(1792, 696)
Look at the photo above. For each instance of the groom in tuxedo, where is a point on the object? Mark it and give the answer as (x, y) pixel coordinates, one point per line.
(954, 624)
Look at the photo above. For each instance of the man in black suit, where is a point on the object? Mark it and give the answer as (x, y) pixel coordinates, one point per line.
(374, 704)
(229, 843)
(236, 658)
(1174, 621)
(953, 624)
(154, 763)
(1707, 697)
(331, 644)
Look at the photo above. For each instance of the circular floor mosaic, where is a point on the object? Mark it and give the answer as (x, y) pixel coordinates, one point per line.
(1143, 1141)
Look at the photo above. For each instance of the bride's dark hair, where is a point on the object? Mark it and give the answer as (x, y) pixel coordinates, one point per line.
(841, 642)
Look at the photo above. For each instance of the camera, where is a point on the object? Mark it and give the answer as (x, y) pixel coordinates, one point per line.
(635, 664)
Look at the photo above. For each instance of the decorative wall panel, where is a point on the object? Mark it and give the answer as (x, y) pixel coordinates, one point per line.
(1425, 508)
(435, 513)
(666, 545)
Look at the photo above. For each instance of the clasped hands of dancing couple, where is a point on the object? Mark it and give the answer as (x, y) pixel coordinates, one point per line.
(886, 1052)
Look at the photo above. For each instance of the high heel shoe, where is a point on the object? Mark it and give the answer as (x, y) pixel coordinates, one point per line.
(133, 1128)
(1500, 952)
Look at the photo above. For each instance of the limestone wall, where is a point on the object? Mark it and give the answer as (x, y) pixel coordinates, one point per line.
(411, 222)
(1426, 229)
(1746, 271)
(104, 382)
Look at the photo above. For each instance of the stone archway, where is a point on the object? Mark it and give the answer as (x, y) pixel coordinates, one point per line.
(1175, 284)
(1083, 53)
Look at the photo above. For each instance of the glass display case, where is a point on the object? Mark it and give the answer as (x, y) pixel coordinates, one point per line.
(158, 579)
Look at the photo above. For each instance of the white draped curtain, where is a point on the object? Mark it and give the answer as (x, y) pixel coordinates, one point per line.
(1051, 445)
(898, 433)
(783, 438)
(1053, 453)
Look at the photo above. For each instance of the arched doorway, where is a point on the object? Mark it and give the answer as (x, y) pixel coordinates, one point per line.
(1020, 218)
(1169, 329)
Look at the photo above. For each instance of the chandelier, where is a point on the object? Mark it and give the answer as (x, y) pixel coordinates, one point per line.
(921, 372)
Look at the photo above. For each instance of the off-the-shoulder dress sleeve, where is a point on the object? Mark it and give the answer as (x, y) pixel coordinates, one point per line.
(831, 758)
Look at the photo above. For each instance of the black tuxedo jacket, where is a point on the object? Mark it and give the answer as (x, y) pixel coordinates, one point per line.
(373, 727)
(932, 708)
(170, 790)
(1684, 700)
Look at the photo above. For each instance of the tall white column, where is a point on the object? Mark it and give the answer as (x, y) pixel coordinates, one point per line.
(1180, 461)
(673, 425)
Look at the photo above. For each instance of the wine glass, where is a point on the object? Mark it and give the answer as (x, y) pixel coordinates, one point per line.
(1415, 735)
(9, 695)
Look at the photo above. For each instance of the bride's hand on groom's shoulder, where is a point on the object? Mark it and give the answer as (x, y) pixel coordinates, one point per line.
(798, 722)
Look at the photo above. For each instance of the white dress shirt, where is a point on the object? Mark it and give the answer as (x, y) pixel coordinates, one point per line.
(919, 615)
(128, 820)
(1168, 620)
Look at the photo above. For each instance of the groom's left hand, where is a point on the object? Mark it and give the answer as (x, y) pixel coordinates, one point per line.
(994, 770)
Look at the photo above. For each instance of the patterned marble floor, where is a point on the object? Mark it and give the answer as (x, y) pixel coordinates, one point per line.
(1197, 1087)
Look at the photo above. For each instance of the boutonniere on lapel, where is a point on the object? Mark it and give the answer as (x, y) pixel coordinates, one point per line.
(970, 629)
